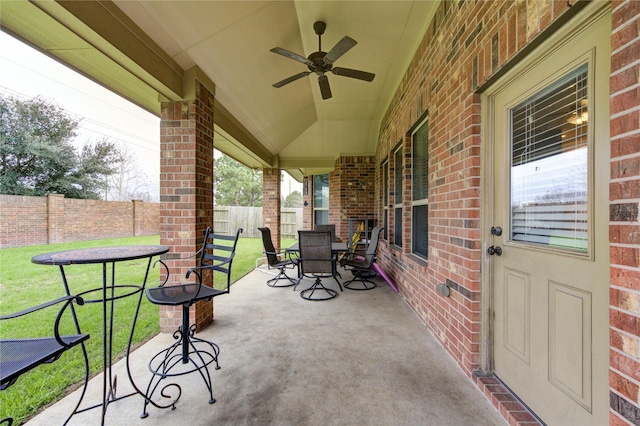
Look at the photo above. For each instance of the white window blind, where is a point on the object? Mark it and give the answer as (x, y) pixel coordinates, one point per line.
(549, 165)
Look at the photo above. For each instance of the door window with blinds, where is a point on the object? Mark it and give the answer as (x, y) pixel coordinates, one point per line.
(549, 165)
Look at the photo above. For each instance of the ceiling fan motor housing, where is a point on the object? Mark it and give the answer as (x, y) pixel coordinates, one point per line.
(319, 66)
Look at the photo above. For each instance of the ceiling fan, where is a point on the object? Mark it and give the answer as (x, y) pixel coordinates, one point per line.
(322, 62)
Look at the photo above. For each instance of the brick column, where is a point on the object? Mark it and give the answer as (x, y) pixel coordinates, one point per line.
(55, 218)
(137, 218)
(624, 228)
(271, 203)
(186, 192)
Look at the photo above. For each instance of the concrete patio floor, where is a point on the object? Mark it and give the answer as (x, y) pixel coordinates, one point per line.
(363, 358)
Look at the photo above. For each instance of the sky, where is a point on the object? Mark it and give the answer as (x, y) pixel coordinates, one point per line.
(26, 73)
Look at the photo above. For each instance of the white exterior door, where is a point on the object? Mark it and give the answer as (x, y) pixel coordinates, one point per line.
(550, 260)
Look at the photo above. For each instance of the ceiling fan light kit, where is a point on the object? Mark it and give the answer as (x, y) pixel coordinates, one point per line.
(322, 62)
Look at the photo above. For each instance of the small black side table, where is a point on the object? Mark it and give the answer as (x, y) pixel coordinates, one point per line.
(105, 256)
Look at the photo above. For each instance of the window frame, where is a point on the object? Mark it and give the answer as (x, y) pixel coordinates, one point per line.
(422, 202)
(385, 198)
(318, 209)
(398, 181)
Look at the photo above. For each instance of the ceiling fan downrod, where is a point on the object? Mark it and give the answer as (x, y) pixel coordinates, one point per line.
(319, 27)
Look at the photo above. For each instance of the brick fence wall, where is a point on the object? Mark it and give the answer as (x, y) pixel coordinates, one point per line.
(54, 219)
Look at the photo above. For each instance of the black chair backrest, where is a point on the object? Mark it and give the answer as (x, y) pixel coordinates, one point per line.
(217, 254)
(370, 253)
(269, 249)
(315, 252)
(327, 228)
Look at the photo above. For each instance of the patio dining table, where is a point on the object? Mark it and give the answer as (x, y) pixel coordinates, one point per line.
(107, 294)
(336, 247)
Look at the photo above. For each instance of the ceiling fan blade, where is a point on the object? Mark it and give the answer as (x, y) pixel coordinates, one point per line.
(325, 90)
(348, 72)
(291, 55)
(339, 49)
(291, 79)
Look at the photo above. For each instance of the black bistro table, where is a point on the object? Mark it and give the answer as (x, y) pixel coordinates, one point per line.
(107, 294)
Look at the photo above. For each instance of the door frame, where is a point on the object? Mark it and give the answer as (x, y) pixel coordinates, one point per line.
(551, 43)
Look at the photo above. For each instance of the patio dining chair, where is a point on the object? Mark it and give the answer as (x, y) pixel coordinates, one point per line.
(190, 353)
(280, 260)
(361, 264)
(316, 261)
(21, 355)
(327, 228)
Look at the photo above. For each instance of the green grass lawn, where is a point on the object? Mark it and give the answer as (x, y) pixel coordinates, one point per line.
(24, 284)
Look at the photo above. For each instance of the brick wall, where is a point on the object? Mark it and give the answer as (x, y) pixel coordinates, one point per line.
(354, 189)
(624, 230)
(351, 193)
(54, 219)
(467, 45)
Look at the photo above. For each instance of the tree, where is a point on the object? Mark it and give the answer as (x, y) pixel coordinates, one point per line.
(236, 184)
(293, 200)
(37, 156)
(129, 181)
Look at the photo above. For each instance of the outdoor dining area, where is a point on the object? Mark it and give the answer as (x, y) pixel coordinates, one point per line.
(270, 356)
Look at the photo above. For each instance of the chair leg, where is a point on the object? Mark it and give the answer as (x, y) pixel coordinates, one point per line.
(318, 286)
(361, 278)
(339, 285)
(282, 275)
(190, 352)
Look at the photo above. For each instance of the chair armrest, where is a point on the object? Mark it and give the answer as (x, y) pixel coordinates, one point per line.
(166, 268)
(66, 300)
(78, 300)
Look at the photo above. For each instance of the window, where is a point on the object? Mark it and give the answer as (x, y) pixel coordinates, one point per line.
(549, 166)
(321, 199)
(397, 200)
(385, 199)
(420, 192)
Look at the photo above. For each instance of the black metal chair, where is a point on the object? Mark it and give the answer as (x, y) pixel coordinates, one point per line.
(189, 353)
(18, 356)
(316, 261)
(361, 264)
(280, 260)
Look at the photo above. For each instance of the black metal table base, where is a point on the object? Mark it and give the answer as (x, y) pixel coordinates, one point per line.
(187, 355)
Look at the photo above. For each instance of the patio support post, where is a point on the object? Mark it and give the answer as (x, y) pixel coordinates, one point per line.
(186, 193)
(271, 203)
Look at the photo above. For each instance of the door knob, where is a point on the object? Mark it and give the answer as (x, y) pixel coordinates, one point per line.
(497, 250)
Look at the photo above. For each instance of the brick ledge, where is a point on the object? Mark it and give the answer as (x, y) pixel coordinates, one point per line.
(510, 408)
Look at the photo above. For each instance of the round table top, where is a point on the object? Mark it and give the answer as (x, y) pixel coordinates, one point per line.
(98, 255)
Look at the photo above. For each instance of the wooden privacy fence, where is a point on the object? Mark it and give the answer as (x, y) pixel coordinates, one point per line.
(229, 218)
